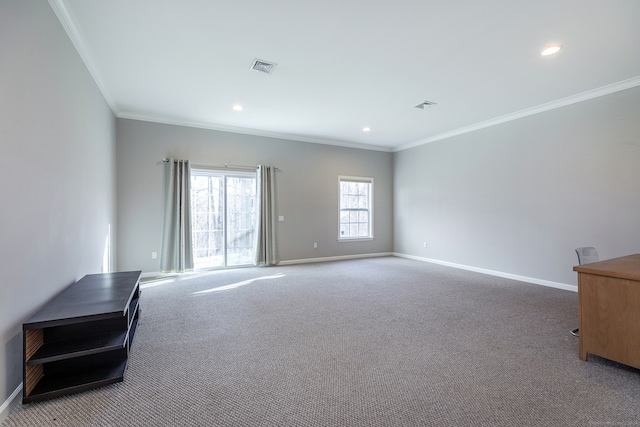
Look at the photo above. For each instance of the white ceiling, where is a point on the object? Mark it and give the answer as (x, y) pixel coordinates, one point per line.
(347, 64)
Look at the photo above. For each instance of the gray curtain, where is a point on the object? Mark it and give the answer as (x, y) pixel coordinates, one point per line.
(265, 246)
(177, 251)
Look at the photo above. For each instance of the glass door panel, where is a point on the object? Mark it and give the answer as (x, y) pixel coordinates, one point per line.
(241, 219)
(207, 215)
(224, 217)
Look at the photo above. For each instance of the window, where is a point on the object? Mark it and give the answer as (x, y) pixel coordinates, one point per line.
(356, 208)
(223, 213)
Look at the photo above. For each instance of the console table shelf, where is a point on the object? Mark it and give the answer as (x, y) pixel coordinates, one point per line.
(55, 385)
(52, 352)
(81, 339)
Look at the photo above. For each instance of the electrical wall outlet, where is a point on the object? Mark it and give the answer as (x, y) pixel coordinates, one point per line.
(154, 255)
(315, 245)
(424, 244)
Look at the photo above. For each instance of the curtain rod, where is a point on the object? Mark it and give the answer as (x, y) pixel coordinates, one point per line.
(221, 166)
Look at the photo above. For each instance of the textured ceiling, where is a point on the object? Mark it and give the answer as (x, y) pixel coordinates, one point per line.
(344, 65)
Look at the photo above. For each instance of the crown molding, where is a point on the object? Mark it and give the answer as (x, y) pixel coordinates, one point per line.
(248, 131)
(68, 23)
(75, 35)
(563, 102)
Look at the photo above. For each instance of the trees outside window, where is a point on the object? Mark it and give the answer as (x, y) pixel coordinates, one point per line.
(223, 214)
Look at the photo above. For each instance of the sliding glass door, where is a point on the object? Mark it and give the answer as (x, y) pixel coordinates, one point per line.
(223, 209)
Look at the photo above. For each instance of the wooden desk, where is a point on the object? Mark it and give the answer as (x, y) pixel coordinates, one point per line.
(609, 309)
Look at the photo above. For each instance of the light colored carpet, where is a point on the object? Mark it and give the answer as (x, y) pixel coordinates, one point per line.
(371, 342)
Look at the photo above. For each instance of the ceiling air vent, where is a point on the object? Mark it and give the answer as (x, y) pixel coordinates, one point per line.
(425, 104)
(263, 66)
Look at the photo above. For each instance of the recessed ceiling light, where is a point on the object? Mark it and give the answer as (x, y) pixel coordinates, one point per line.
(551, 50)
(238, 107)
(366, 129)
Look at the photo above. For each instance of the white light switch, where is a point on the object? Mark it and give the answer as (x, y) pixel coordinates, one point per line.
(281, 218)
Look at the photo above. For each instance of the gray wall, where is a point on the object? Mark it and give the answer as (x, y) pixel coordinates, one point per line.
(519, 197)
(515, 198)
(306, 187)
(57, 139)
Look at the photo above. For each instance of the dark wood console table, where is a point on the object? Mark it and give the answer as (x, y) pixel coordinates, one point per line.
(81, 339)
(609, 309)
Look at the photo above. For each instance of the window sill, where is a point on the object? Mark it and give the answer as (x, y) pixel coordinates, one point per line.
(355, 239)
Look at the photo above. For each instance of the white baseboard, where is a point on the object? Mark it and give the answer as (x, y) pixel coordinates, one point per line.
(333, 258)
(526, 279)
(151, 274)
(533, 280)
(6, 407)
(286, 262)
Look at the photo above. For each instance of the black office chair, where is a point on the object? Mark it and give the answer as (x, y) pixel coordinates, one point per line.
(586, 255)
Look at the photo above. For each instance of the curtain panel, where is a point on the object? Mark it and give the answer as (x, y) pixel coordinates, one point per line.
(176, 254)
(265, 247)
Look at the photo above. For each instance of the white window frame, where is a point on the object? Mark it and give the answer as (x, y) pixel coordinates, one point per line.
(361, 179)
